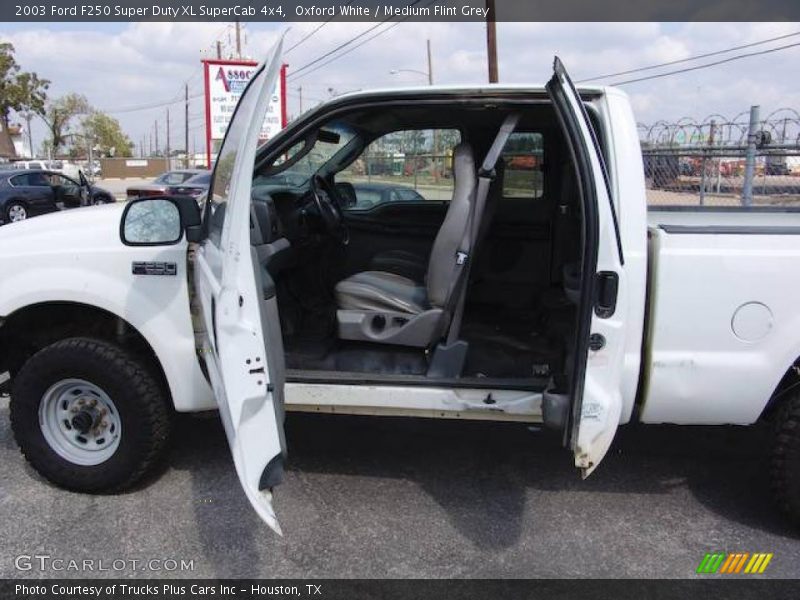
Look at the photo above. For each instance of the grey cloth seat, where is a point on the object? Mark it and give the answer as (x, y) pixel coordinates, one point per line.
(388, 308)
(382, 291)
(403, 262)
(413, 265)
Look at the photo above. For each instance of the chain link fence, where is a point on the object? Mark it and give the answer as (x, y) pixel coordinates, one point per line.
(745, 161)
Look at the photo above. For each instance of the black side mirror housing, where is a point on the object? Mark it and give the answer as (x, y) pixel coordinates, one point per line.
(191, 217)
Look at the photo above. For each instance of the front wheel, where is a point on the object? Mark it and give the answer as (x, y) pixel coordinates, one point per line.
(89, 416)
(99, 200)
(785, 464)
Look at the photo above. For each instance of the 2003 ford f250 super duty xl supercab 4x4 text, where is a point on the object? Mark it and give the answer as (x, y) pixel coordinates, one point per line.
(532, 289)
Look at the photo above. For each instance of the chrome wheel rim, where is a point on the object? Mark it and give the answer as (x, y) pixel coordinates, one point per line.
(80, 422)
(16, 213)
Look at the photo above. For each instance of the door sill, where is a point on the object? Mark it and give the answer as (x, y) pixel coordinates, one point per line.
(533, 384)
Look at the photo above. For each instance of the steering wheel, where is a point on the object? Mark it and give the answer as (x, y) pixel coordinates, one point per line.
(326, 200)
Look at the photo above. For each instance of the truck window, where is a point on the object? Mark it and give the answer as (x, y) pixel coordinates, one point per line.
(403, 166)
(523, 157)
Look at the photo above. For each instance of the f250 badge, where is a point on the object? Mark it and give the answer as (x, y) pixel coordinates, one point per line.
(154, 268)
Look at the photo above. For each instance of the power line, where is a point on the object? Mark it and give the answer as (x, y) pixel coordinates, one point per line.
(339, 47)
(129, 109)
(711, 64)
(295, 76)
(347, 43)
(689, 59)
(309, 35)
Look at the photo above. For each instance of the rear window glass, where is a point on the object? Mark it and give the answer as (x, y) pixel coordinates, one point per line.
(36, 179)
(523, 156)
(202, 179)
(173, 177)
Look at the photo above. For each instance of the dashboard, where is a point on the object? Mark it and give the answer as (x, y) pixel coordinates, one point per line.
(280, 228)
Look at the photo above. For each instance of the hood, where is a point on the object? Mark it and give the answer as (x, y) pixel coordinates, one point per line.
(96, 188)
(63, 231)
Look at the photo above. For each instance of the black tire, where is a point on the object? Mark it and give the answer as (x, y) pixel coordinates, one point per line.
(785, 463)
(143, 405)
(100, 199)
(15, 206)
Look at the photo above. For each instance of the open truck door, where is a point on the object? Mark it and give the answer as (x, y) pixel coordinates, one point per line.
(242, 346)
(589, 412)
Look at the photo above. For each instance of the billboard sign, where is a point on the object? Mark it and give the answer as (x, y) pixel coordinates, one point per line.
(225, 80)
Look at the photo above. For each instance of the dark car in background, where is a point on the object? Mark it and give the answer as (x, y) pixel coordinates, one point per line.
(374, 194)
(194, 186)
(33, 192)
(161, 185)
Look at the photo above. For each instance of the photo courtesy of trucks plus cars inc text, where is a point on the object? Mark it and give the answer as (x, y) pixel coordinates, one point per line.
(468, 291)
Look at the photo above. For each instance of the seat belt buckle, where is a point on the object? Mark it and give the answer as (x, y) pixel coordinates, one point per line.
(461, 257)
(490, 174)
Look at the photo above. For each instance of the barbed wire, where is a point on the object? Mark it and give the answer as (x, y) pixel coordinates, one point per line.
(779, 127)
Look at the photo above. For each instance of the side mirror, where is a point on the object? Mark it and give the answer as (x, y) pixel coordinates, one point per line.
(160, 221)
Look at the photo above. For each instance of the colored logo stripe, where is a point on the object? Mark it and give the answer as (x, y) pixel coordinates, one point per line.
(734, 562)
(758, 563)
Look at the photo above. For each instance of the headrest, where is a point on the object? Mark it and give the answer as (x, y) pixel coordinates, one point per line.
(463, 161)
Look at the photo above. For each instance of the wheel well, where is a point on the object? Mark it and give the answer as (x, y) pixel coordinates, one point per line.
(15, 200)
(29, 329)
(789, 381)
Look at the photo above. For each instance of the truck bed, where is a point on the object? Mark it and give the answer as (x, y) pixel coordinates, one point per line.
(724, 317)
(719, 216)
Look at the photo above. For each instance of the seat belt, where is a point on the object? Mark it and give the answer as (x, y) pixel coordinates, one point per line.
(486, 176)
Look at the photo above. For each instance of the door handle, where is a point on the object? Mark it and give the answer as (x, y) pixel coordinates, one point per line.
(606, 288)
(214, 324)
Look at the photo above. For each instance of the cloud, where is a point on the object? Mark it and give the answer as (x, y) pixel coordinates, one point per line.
(121, 66)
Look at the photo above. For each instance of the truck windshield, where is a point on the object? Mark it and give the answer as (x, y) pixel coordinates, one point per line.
(302, 160)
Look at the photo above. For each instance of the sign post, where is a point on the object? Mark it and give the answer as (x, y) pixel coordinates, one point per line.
(225, 80)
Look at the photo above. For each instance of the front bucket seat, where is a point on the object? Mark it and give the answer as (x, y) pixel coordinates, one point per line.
(383, 307)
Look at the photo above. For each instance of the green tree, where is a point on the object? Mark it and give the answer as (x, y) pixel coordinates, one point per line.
(105, 134)
(59, 114)
(19, 90)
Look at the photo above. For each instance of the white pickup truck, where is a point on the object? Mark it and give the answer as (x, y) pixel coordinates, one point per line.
(519, 282)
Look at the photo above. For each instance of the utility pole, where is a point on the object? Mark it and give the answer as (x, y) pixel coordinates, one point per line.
(166, 151)
(435, 160)
(29, 118)
(430, 63)
(186, 122)
(156, 129)
(491, 42)
(91, 158)
(300, 93)
(750, 157)
(238, 40)
(219, 50)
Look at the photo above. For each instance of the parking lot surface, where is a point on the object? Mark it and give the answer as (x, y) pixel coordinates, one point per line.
(369, 497)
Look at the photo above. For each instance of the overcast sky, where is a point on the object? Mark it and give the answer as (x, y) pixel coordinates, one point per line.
(119, 66)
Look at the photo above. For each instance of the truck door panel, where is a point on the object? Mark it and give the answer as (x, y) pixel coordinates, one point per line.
(595, 399)
(242, 346)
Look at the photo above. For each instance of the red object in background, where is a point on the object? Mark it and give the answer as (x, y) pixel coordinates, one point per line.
(206, 83)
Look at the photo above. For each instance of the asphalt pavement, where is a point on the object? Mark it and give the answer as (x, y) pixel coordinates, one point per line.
(402, 498)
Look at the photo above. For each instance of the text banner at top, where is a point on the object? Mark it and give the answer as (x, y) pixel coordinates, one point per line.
(397, 10)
